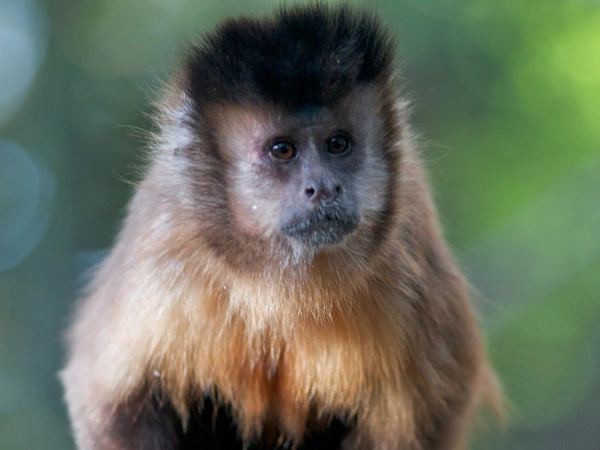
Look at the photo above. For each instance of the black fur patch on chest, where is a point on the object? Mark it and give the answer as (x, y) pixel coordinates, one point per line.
(150, 423)
(214, 428)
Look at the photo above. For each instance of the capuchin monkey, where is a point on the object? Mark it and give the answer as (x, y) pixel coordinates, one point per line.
(280, 280)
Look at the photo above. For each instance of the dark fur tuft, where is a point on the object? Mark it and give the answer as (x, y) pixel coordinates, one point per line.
(309, 55)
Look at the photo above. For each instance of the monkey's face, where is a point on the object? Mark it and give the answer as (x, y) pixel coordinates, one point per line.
(311, 177)
(311, 165)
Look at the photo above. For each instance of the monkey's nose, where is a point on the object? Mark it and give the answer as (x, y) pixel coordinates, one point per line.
(323, 191)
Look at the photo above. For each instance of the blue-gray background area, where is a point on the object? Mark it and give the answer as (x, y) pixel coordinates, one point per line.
(506, 100)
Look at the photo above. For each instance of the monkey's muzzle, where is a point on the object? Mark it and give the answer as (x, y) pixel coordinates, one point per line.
(324, 226)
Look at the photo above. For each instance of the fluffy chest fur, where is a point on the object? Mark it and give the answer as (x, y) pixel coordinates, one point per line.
(282, 372)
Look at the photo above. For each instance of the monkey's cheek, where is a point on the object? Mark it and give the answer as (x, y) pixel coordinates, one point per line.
(253, 218)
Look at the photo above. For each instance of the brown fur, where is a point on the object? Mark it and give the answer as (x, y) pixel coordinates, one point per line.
(377, 331)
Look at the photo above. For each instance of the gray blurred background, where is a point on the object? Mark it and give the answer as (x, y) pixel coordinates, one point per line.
(506, 97)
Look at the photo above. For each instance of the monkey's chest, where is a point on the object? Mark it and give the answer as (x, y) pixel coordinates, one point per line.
(300, 397)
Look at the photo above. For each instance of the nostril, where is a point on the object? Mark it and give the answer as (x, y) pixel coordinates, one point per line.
(338, 189)
(309, 192)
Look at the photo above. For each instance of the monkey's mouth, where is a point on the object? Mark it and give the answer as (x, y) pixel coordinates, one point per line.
(322, 227)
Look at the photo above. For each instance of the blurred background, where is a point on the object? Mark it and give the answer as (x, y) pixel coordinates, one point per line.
(506, 97)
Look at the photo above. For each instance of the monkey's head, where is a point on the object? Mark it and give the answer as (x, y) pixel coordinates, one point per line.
(295, 130)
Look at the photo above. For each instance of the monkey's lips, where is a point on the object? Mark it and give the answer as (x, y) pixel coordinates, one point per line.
(321, 227)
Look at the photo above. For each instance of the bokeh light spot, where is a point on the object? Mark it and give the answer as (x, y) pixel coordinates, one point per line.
(26, 195)
(24, 37)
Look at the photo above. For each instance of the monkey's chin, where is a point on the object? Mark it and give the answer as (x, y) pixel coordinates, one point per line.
(321, 228)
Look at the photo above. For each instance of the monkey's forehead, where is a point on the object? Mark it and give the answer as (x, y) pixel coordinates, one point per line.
(303, 56)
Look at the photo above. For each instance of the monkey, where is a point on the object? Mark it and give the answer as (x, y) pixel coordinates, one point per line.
(281, 279)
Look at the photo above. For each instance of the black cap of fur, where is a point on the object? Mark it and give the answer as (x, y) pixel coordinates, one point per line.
(310, 55)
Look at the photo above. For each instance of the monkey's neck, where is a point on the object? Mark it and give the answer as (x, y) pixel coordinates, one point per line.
(316, 295)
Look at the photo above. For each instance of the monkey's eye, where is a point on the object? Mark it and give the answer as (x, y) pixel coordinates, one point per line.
(338, 144)
(282, 151)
